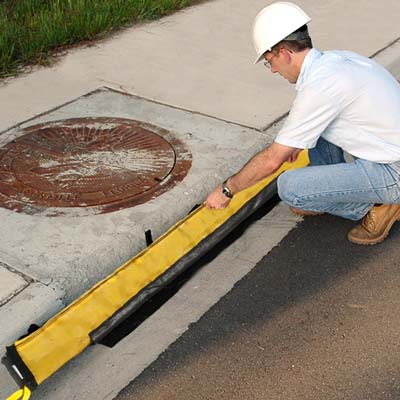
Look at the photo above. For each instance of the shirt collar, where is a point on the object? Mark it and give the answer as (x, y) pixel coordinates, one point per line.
(311, 56)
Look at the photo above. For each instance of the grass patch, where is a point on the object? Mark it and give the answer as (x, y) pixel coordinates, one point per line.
(32, 29)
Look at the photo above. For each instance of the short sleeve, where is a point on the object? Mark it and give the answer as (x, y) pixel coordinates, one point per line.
(310, 115)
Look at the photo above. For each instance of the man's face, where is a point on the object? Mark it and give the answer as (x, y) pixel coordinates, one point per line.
(281, 61)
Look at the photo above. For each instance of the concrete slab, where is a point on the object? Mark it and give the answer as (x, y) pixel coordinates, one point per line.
(178, 61)
(33, 305)
(76, 251)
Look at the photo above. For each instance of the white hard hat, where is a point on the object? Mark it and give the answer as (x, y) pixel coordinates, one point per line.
(274, 23)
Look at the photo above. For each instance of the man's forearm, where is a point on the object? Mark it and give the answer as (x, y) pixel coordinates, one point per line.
(263, 164)
(258, 168)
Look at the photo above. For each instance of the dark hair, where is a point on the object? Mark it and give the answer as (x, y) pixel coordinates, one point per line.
(296, 45)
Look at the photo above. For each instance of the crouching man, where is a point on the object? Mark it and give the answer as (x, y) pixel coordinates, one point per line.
(344, 102)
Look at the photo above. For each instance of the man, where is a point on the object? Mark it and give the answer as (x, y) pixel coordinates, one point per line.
(344, 102)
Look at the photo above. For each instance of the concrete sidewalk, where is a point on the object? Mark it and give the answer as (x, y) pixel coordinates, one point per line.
(191, 74)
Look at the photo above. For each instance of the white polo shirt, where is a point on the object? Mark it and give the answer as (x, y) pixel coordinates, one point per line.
(350, 101)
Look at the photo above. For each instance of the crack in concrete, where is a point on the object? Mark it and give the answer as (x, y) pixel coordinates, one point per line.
(26, 278)
(29, 281)
(12, 295)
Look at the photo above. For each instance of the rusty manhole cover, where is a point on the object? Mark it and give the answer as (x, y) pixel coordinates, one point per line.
(86, 166)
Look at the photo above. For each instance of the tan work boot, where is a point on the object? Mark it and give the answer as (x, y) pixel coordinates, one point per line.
(376, 225)
(304, 213)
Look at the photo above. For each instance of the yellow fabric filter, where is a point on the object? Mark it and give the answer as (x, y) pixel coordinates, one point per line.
(67, 334)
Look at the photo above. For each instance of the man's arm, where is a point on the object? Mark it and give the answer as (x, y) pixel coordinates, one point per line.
(263, 164)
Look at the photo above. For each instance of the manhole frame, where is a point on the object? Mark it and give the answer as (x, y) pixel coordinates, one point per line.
(181, 167)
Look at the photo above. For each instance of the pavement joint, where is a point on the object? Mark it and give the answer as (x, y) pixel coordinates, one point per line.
(13, 294)
(276, 121)
(128, 93)
(392, 43)
(27, 278)
(44, 113)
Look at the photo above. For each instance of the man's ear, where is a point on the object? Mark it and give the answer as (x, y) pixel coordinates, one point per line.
(287, 54)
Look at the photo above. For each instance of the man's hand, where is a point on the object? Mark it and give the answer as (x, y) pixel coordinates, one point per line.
(293, 157)
(216, 199)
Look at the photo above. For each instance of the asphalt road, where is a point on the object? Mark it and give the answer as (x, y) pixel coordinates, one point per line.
(317, 318)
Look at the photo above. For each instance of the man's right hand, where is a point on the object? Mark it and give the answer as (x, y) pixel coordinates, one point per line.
(216, 199)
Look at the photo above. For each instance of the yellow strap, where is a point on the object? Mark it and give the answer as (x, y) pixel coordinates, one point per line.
(22, 394)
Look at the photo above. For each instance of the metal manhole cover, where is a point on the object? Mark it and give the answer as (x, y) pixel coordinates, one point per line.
(88, 166)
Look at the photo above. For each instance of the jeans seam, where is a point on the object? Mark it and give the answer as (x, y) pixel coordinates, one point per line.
(380, 188)
(341, 192)
(349, 210)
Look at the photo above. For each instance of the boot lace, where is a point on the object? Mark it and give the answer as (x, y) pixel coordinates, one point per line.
(369, 221)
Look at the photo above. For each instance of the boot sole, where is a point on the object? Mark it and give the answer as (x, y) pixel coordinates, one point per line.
(304, 213)
(381, 238)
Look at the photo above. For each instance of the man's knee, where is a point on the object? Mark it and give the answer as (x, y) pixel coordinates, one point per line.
(286, 187)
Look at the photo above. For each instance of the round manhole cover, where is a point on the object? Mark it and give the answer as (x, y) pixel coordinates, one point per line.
(88, 166)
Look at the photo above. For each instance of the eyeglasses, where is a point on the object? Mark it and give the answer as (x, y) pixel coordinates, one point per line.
(267, 63)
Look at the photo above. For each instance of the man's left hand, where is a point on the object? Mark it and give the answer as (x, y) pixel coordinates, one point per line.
(216, 199)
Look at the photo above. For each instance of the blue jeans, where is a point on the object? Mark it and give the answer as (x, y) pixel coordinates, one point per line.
(332, 185)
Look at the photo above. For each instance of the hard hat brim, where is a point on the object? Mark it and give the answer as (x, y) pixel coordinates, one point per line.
(259, 58)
